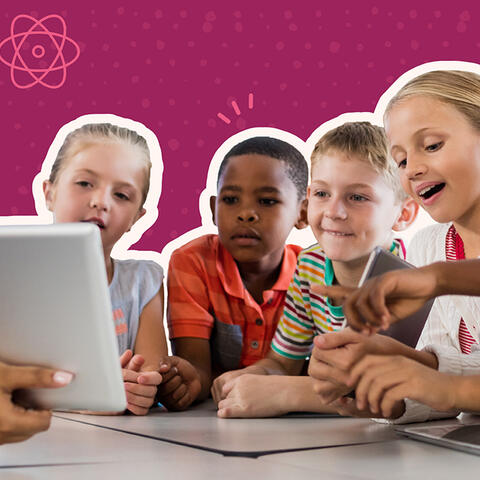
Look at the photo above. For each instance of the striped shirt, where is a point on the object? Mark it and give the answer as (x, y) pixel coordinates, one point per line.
(307, 314)
(455, 250)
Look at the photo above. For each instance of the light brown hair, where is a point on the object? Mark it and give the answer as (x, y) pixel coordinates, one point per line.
(366, 142)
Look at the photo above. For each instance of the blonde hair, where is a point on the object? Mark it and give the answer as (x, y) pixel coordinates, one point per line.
(98, 133)
(367, 142)
(453, 87)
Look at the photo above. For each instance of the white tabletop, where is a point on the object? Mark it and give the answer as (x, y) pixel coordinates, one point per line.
(77, 450)
(201, 428)
(398, 459)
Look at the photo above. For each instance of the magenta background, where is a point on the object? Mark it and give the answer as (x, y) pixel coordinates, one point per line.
(174, 65)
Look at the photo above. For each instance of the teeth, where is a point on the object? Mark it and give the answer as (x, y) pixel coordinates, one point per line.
(423, 191)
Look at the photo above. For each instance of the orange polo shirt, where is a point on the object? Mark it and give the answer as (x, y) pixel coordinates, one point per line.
(207, 299)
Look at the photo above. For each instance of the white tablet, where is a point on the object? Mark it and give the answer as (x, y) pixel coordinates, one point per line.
(55, 312)
(452, 434)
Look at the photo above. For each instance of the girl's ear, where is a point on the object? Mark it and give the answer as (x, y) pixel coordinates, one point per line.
(137, 217)
(48, 192)
(302, 221)
(407, 216)
(213, 202)
(140, 214)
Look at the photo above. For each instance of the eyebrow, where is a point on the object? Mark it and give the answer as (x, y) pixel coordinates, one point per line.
(415, 134)
(95, 174)
(351, 185)
(237, 188)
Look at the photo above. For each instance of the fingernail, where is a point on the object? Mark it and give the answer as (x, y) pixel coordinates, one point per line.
(62, 378)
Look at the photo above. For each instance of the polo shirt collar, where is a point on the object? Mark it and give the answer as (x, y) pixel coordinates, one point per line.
(232, 281)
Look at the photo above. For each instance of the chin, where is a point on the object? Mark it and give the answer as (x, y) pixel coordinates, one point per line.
(443, 216)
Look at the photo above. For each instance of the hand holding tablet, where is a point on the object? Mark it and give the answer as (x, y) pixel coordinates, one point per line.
(18, 423)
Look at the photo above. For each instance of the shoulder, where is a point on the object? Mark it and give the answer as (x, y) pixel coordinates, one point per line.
(293, 249)
(199, 247)
(142, 269)
(311, 262)
(428, 245)
(314, 252)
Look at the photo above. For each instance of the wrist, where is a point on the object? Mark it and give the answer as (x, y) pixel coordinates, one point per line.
(440, 278)
(256, 369)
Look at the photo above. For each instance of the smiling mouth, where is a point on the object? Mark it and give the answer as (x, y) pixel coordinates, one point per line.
(338, 234)
(430, 191)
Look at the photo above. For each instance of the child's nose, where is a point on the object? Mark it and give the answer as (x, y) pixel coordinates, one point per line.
(99, 200)
(248, 215)
(336, 210)
(415, 167)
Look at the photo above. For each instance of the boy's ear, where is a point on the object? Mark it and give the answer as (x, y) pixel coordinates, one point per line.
(407, 215)
(213, 202)
(302, 221)
(48, 193)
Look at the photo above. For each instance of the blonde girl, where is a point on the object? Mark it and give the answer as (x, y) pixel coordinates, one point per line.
(101, 175)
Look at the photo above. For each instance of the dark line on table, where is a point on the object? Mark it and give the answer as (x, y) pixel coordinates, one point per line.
(225, 453)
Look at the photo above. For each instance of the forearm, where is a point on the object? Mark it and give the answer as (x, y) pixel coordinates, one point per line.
(426, 358)
(267, 366)
(300, 396)
(456, 278)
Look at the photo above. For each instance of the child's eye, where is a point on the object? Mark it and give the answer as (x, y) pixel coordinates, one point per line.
(434, 147)
(229, 200)
(268, 201)
(121, 196)
(321, 194)
(402, 163)
(83, 183)
(358, 198)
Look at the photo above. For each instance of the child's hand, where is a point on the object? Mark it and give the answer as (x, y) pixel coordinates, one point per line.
(219, 391)
(17, 423)
(140, 387)
(181, 383)
(335, 354)
(252, 396)
(384, 381)
(385, 299)
(348, 408)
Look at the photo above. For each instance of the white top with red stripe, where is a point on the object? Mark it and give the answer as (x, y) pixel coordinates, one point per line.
(443, 332)
(455, 250)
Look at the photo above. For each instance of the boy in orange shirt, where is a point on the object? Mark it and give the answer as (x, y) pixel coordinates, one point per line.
(226, 291)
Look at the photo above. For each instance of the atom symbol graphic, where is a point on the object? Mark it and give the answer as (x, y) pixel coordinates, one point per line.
(43, 63)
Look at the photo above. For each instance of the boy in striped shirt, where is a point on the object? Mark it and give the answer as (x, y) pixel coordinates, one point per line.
(355, 202)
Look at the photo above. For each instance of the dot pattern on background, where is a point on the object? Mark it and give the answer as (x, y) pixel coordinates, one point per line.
(174, 68)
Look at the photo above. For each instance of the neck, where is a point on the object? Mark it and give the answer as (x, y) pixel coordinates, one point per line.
(257, 270)
(471, 239)
(260, 276)
(348, 274)
(108, 266)
(468, 227)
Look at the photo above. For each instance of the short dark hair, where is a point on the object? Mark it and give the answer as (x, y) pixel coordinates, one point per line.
(295, 164)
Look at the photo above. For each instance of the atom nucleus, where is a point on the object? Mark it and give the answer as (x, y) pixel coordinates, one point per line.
(37, 54)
